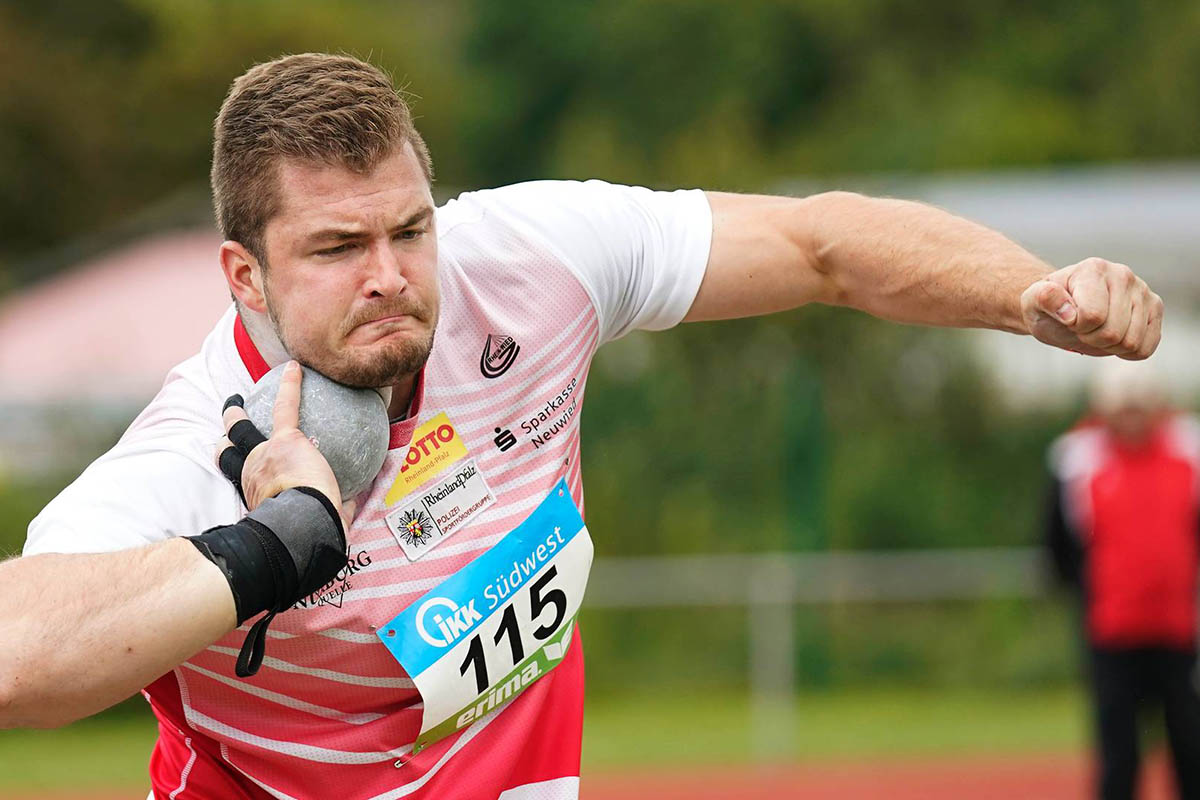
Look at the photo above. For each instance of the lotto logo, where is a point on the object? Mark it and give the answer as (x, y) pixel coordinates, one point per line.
(435, 446)
(432, 441)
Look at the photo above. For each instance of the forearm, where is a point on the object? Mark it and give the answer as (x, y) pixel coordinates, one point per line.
(911, 262)
(84, 631)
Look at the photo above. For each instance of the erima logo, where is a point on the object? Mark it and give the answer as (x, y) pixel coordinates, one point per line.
(452, 622)
(499, 352)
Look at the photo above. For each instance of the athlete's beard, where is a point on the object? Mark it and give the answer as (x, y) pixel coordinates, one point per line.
(387, 364)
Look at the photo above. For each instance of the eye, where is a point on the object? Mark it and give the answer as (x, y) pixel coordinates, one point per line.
(335, 251)
(411, 234)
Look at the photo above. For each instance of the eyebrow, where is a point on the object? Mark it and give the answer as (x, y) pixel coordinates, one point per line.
(349, 234)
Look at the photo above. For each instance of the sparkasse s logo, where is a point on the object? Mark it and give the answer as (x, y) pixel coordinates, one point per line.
(499, 353)
(451, 621)
(504, 439)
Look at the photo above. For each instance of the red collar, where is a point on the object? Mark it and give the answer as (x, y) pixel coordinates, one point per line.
(402, 431)
(257, 366)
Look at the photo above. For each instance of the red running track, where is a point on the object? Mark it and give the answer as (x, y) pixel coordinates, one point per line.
(1036, 777)
(1010, 777)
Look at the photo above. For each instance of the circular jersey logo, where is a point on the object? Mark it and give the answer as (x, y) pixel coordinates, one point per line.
(439, 620)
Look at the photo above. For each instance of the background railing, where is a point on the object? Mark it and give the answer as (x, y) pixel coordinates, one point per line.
(771, 585)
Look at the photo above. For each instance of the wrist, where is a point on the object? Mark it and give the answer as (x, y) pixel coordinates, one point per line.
(287, 548)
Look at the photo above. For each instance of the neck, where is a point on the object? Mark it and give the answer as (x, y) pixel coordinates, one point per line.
(401, 399)
(264, 337)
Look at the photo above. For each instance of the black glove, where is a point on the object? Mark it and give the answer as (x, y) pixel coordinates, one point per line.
(245, 437)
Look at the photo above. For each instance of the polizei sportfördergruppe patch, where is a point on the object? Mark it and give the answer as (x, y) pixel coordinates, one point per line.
(440, 509)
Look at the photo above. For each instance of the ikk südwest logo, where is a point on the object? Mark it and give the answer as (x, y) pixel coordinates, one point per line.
(499, 353)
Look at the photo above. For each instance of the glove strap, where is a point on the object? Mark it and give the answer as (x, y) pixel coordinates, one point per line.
(251, 655)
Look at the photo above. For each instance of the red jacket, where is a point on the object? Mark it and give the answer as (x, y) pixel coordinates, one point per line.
(1132, 516)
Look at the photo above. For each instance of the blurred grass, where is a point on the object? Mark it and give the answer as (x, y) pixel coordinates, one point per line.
(836, 726)
(110, 752)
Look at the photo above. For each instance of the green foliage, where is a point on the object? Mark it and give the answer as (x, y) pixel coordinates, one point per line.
(108, 106)
(19, 503)
(803, 431)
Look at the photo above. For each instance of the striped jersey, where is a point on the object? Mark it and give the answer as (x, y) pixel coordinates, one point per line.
(533, 279)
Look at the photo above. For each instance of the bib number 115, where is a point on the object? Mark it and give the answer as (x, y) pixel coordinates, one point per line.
(540, 598)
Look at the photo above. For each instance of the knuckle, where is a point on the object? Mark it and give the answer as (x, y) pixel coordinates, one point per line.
(1091, 317)
(1047, 292)
(1107, 337)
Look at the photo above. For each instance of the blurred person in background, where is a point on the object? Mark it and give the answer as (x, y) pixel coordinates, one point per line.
(1122, 528)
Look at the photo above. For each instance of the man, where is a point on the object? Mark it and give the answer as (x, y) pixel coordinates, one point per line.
(392, 670)
(1123, 526)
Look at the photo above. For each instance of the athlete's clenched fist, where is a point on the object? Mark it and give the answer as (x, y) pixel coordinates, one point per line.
(1095, 307)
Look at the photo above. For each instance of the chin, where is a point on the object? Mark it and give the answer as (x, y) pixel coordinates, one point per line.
(383, 365)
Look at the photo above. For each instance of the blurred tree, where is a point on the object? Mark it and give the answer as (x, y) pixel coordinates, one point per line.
(108, 107)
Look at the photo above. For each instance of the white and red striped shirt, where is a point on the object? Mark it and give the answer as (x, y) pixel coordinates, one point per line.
(546, 270)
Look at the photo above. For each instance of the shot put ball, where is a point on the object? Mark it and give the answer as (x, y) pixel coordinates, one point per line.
(349, 426)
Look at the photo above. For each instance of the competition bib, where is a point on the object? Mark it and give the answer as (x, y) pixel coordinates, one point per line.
(487, 632)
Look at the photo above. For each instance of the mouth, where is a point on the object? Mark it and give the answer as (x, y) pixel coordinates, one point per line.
(383, 327)
(394, 319)
(390, 321)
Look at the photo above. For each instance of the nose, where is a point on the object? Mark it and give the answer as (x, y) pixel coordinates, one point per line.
(385, 272)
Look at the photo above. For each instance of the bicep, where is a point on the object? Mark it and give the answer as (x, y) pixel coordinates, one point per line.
(764, 258)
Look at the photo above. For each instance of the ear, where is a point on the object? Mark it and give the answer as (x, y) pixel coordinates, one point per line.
(244, 275)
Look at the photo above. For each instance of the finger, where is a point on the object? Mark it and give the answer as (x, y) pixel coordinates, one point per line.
(232, 415)
(1054, 300)
(245, 436)
(287, 402)
(1152, 333)
(1089, 290)
(1131, 342)
(1121, 300)
(222, 444)
(231, 462)
(233, 400)
(1153, 327)
(349, 509)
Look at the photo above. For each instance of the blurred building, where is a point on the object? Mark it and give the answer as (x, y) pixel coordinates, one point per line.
(82, 351)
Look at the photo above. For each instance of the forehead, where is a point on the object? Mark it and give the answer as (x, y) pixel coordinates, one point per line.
(312, 194)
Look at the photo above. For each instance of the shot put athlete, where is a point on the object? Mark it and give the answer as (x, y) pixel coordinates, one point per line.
(421, 643)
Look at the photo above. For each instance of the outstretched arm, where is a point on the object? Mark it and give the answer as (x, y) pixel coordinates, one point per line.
(910, 262)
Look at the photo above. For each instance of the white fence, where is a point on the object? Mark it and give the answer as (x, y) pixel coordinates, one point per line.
(771, 585)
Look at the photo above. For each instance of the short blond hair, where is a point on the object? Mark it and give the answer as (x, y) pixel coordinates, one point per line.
(330, 109)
